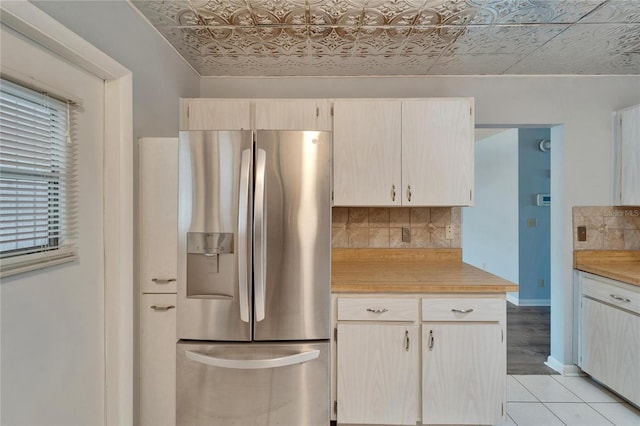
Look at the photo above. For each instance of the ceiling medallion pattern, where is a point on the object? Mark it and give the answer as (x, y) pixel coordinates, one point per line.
(401, 37)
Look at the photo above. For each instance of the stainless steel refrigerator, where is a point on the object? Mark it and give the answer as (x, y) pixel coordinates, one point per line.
(254, 278)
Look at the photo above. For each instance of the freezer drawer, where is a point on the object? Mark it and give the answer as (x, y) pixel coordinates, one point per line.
(257, 384)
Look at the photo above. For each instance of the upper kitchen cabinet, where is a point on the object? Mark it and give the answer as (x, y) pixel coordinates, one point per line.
(437, 152)
(292, 114)
(215, 114)
(627, 157)
(414, 152)
(367, 152)
(158, 214)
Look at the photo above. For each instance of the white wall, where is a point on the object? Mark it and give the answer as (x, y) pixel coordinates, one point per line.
(160, 75)
(52, 320)
(581, 157)
(490, 227)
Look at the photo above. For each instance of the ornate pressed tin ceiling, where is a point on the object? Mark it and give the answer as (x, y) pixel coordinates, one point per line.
(401, 37)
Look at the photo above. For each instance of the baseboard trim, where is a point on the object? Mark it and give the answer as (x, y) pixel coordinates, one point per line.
(564, 369)
(515, 299)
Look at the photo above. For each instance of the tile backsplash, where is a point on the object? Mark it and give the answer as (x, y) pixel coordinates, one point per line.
(608, 228)
(369, 227)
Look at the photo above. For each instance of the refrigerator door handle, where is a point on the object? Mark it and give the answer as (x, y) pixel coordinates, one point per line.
(260, 235)
(243, 247)
(253, 364)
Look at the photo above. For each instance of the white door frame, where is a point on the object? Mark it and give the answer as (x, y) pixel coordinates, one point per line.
(27, 19)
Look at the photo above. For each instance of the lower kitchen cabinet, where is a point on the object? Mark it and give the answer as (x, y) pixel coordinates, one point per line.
(158, 360)
(459, 346)
(463, 373)
(378, 374)
(609, 336)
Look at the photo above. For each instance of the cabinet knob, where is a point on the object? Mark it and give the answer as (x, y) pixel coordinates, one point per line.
(162, 308)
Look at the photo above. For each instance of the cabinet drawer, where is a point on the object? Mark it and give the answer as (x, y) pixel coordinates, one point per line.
(611, 292)
(377, 309)
(463, 309)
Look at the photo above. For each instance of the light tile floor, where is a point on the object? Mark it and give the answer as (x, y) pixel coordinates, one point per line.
(559, 400)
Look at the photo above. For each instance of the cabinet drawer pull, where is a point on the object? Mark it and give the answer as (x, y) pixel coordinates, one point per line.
(393, 192)
(162, 308)
(163, 280)
(462, 311)
(377, 310)
(620, 298)
(409, 193)
(431, 340)
(406, 340)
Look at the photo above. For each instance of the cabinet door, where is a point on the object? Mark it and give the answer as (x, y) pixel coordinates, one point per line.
(628, 156)
(158, 214)
(157, 359)
(216, 114)
(366, 152)
(377, 374)
(463, 373)
(292, 114)
(609, 342)
(437, 152)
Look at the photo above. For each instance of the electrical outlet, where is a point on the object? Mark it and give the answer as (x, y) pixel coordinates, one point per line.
(406, 235)
(532, 222)
(582, 233)
(448, 232)
(541, 282)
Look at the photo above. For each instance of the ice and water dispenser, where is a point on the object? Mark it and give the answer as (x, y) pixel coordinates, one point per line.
(210, 265)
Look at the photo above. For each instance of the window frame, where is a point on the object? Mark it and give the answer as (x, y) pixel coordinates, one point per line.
(53, 166)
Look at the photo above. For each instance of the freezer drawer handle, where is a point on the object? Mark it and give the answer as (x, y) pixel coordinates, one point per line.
(253, 364)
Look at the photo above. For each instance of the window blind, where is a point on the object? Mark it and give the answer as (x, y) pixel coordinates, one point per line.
(38, 215)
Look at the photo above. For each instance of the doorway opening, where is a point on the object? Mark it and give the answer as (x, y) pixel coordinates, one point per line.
(507, 233)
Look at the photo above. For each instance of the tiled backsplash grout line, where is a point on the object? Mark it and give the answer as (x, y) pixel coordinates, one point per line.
(379, 227)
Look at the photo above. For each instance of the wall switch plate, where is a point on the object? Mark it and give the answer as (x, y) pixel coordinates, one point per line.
(582, 233)
(406, 235)
(448, 232)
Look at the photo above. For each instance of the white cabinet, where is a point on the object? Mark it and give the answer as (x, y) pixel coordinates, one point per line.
(292, 114)
(609, 336)
(157, 360)
(378, 374)
(367, 152)
(377, 361)
(157, 243)
(437, 152)
(460, 343)
(463, 360)
(403, 152)
(158, 214)
(215, 114)
(627, 157)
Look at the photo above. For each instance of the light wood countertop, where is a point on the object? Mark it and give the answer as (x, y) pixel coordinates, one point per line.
(410, 271)
(621, 265)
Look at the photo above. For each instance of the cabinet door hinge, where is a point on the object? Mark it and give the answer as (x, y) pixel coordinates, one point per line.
(335, 334)
(332, 111)
(502, 335)
(187, 112)
(470, 111)
(317, 111)
(502, 408)
(331, 195)
(335, 407)
(470, 194)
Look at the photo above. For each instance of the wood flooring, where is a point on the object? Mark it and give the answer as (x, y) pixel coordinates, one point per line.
(528, 339)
